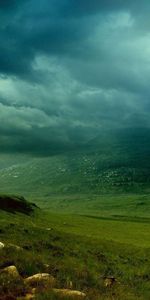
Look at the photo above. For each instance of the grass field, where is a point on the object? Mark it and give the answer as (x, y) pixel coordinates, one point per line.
(81, 249)
(107, 205)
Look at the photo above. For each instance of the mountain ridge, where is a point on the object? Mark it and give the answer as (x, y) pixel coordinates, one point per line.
(117, 162)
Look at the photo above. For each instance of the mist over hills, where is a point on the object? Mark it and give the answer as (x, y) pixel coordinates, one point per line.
(114, 160)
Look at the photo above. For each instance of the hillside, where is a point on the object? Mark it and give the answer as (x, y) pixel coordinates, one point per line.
(80, 252)
(113, 162)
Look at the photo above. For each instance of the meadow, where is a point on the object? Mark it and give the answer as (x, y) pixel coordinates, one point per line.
(82, 249)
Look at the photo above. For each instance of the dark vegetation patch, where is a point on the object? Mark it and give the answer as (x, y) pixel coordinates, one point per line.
(15, 204)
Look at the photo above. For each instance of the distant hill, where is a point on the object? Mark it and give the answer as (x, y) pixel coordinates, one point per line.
(113, 161)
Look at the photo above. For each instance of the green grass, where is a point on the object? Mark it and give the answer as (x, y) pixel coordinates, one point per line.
(110, 205)
(81, 249)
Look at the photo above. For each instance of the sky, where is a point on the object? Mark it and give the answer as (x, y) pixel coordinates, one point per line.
(70, 70)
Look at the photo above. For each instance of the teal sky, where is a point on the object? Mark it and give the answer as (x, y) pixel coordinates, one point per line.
(71, 69)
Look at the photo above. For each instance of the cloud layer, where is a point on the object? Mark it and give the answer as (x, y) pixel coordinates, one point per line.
(70, 69)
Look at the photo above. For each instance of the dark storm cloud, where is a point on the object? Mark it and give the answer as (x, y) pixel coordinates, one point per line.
(69, 69)
(32, 29)
(77, 7)
(8, 4)
(57, 28)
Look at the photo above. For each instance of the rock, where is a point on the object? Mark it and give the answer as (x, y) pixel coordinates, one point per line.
(41, 280)
(15, 247)
(46, 268)
(2, 245)
(11, 271)
(46, 265)
(109, 281)
(69, 293)
(11, 283)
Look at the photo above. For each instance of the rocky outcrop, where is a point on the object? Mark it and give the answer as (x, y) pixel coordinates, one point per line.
(11, 271)
(27, 289)
(16, 204)
(69, 293)
(2, 245)
(11, 246)
(11, 283)
(62, 293)
(41, 280)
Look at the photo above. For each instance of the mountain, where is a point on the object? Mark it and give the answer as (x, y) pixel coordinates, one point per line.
(113, 161)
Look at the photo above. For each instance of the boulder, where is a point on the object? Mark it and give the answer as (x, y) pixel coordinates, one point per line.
(44, 280)
(2, 245)
(69, 293)
(11, 271)
(16, 247)
(11, 283)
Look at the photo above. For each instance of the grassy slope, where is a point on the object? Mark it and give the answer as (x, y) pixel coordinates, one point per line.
(110, 205)
(81, 249)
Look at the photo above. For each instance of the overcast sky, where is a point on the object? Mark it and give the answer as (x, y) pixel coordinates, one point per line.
(70, 69)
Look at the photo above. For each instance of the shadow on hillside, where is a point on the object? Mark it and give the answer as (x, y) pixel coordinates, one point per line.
(15, 204)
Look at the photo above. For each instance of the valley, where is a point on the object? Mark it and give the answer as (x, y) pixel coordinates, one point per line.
(90, 221)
